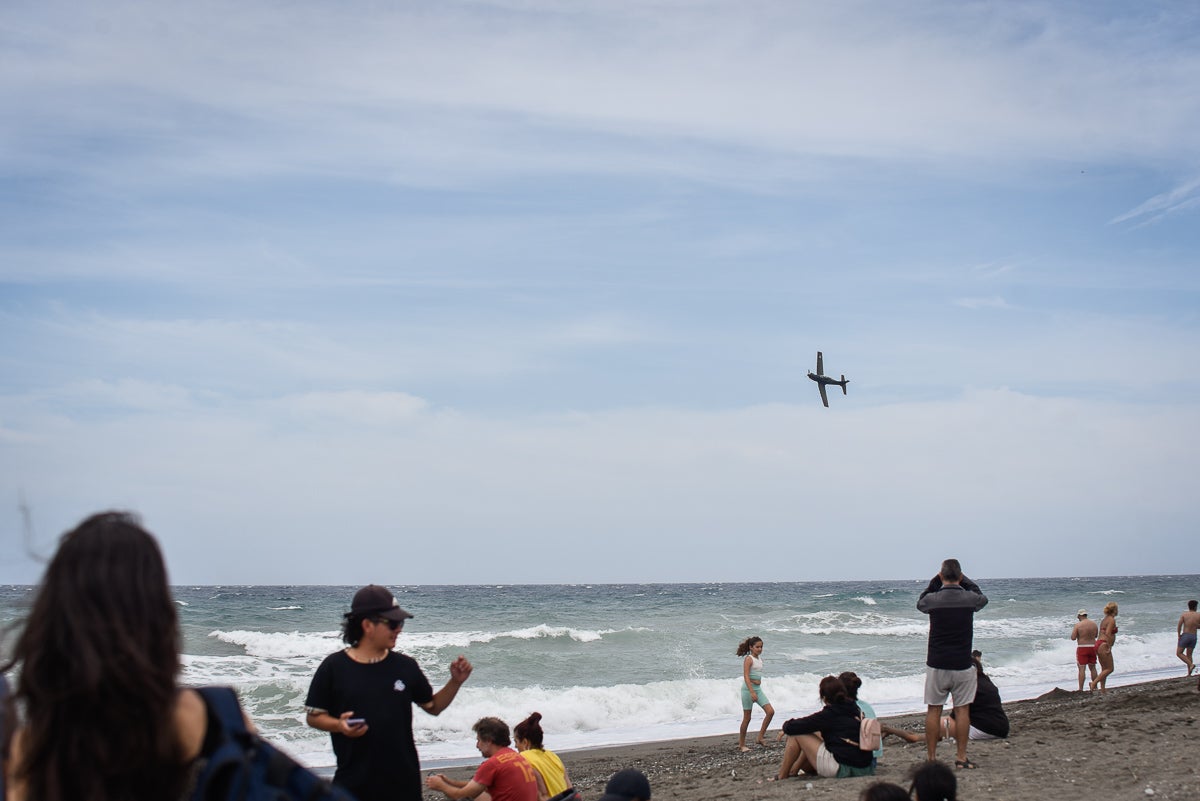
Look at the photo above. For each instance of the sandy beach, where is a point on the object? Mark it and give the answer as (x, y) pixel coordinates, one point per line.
(1134, 742)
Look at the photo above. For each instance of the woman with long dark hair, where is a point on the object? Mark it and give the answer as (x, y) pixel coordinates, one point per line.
(826, 742)
(103, 718)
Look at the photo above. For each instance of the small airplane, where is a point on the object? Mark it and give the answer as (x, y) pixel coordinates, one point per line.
(823, 379)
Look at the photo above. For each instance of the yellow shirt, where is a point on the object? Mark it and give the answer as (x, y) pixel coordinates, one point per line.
(550, 766)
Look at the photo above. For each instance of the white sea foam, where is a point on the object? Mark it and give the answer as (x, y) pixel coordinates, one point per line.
(1107, 592)
(867, 599)
(283, 608)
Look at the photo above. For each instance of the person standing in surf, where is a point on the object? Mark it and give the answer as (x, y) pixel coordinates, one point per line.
(1104, 645)
(752, 691)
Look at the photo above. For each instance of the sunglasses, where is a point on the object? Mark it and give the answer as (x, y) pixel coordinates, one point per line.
(394, 625)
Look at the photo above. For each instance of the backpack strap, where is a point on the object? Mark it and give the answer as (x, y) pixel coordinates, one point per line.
(223, 703)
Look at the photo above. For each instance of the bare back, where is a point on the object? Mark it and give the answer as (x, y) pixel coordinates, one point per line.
(1189, 622)
(1085, 632)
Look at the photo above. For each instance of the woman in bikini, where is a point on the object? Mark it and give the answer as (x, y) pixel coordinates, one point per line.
(1105, 641)
(752, 692)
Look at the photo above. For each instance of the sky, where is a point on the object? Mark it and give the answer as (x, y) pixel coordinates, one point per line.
(508, 291)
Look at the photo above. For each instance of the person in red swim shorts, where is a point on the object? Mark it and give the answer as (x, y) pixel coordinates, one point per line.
(1084, 635)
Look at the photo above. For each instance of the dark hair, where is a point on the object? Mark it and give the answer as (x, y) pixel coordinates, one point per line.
(934, 781)
(883, 791)
(832, 690)
(99, 657)
(529, 729)
(851, 682)
(1192, 605)
(352, 628)
(492, 730)
(745, 645)
(951, 570)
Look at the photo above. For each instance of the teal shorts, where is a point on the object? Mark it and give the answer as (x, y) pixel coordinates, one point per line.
(747, 704)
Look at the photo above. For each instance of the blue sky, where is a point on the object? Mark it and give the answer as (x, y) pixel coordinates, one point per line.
(526, 291)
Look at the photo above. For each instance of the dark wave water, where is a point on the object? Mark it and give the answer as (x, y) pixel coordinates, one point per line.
(621, 663)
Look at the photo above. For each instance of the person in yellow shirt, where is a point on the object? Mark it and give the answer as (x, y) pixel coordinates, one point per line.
(528, 736)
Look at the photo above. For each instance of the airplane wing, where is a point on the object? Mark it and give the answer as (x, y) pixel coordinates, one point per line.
(824, 397)
(820, 366)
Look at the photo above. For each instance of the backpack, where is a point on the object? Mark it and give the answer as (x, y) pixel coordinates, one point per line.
(245, 767)
(870, 734)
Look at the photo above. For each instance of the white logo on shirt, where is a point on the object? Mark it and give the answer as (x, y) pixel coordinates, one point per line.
(399, 686)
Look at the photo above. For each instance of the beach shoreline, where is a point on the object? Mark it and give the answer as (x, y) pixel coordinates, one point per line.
(1135, 741)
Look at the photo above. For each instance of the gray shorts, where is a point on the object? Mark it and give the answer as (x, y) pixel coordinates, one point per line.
(959, 684)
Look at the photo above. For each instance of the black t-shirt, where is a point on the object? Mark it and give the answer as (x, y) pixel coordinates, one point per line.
(382, 765)
(987, 713)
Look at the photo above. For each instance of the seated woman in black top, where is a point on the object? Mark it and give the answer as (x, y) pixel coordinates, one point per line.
(988, 721)
(826, 742)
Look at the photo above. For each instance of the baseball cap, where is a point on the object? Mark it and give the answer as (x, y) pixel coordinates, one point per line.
(375, 600)
(1081, 613)
(626, 784)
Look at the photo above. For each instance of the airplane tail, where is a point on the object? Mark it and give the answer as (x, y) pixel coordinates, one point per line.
(844, 382)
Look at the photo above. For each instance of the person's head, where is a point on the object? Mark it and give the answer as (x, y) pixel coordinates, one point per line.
(747, 645)
(1110, 608)
(629, 784)
(833, 691)
(933, 781)
(883, 791)
(977, 660)
(1192, 605)
(951, 572)
(491, 734)
(528, 732)
(99, 657)
(851, 682)
(375, 616)
(1081, 614)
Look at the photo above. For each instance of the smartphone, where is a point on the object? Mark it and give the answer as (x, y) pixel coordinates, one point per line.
(356, 721)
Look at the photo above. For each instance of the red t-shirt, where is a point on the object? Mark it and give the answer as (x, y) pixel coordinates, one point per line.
(508, 777)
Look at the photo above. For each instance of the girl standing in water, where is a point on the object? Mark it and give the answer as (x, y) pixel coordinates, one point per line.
(752, 692)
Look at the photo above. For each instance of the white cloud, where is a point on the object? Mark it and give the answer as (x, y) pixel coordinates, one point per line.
(227, 490)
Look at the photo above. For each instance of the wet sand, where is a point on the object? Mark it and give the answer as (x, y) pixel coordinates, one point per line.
(1134, 742)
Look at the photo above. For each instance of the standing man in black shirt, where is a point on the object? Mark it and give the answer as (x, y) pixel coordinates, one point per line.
(363, 696)
(951, 601)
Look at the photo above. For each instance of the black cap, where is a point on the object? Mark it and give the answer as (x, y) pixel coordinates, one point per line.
(626, 784)
(375, 600)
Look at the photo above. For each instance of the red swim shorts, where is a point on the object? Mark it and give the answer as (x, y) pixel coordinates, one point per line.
(1085, 655)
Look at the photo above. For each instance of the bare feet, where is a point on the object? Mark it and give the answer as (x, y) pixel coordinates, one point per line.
(743, 748)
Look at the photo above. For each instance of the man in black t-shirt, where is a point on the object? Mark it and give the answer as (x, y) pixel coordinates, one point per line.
(363, 696)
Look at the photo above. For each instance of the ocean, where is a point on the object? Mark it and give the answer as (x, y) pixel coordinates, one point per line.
(609, 664)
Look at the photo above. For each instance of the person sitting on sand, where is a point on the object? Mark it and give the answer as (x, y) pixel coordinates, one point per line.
(1084, 634)
(629, 784)
(528, 737)
(1189, 621)
(852, 683)
(933, 781)
(1105, 641)
(988, 720)
(752, 691)
(884, 791)
(826, 742)
(504, 774)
